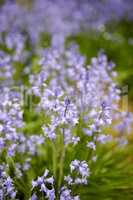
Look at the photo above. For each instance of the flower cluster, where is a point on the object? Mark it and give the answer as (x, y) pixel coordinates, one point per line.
(45, 184)
(91, 94)
(6, 70)
(6, 185)
(64, 115)
(76, 104)
(81, 168)
(66, 194)
(66, 19)
(41, 183)
(69, 93)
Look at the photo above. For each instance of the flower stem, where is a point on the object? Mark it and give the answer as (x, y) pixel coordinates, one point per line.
(54, 159)
(61, 166)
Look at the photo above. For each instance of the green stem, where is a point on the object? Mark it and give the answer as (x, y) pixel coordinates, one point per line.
(61, 167)
(54, 159)
(62, 159)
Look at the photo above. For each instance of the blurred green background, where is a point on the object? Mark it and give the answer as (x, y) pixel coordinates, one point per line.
(116, 39)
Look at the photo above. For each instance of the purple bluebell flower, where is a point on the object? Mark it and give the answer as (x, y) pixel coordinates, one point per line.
(42, 182)
(7, 186)
(65, 194)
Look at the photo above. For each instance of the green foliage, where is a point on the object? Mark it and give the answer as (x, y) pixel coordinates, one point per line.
(116, 41)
